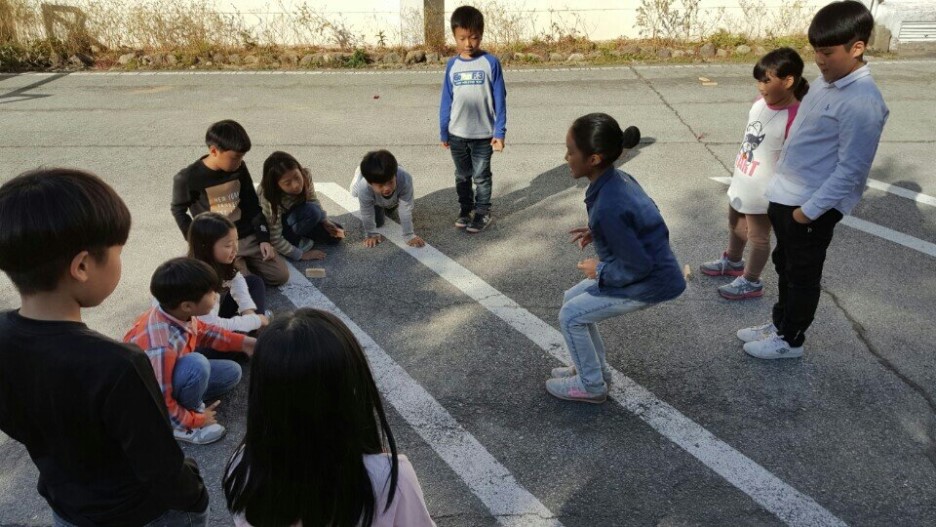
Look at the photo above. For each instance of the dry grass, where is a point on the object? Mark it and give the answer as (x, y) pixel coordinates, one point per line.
(35, 36)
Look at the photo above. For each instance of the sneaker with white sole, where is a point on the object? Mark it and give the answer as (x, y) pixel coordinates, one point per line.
(571, 389)
(741, 288)
(569, 371)
(200, 436)
(755, 333)
(480, 222)
(723, 267)
(463, 220)
(773, 348)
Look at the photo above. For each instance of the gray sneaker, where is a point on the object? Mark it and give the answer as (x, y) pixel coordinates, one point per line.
(200, 436)
(569, 371)
(723, 267)
(571, 389)
(740, 288)
(755, 333)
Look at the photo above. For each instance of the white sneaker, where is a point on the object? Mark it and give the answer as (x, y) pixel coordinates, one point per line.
(200, 436)
(773, 347)
(755, 333)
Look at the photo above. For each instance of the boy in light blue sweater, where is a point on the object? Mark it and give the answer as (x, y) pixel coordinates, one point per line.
(821, 173)
(472, 117)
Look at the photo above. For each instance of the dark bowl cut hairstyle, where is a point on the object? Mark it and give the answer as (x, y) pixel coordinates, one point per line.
(782, 63)
(469, 18)
(204, 232)
(228, 135)
(379, 166)
(313, 413)
(50, 215)
(841, 24)
(274, 167)
(183, 280)
(599, 133)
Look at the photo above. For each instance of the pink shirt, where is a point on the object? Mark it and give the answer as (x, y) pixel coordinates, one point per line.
(408, 508)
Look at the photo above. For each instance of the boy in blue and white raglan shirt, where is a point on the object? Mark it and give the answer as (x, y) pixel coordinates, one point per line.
(472, 117)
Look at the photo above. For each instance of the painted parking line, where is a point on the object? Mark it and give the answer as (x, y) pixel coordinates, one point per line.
(508, 501)
(788, 504)
(880, 231)
(902, 192)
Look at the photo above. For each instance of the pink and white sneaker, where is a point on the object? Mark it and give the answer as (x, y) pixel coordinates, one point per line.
(571, 389)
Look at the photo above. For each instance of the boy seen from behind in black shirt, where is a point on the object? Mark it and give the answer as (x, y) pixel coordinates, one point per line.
(86, 407)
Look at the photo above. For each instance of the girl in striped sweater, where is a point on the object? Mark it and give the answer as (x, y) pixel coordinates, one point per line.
(292, 212)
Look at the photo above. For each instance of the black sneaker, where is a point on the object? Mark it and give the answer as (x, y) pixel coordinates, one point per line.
(480, 222)
(463, 220)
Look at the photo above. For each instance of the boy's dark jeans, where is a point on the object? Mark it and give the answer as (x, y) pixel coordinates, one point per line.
(305, 221)
(798, 258)
(472, 163)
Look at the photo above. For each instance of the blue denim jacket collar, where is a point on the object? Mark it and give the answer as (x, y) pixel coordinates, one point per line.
(591, 193)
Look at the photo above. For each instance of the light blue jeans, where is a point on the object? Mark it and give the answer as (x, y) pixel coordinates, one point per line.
(578, 319)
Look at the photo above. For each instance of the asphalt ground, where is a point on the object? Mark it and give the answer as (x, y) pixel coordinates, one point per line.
(845, 435)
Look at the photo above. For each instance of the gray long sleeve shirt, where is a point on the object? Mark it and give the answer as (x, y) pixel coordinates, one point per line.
(402, 197)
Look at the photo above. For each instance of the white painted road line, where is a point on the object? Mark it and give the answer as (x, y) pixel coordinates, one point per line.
(787, 503)
(491, 482)
(880, 231)
(902, 192)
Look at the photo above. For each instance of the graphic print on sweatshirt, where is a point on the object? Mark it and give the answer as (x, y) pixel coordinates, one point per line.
(468, 78)
(753, 137)
(225, 199)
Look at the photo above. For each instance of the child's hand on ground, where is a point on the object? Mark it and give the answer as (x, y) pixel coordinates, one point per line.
(373, 241)
(333, 230)
(581, 236)
(267, 251)
(497, 144)
(209, 413)
(589, 267)
(416, 242)
(264, 320)
(445, 144)
(312, 254)
(249, 343)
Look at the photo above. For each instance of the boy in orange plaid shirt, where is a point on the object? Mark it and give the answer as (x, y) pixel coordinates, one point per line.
(169, 334)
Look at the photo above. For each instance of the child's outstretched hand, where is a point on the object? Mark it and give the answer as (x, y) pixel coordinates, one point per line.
(210, 412)
(312, 254)
(264, 320)
(581, 236)
(497, 144)
(267, 251)
(249, 343)
(416, 242)
(373, 241)
(445, 144)
(589, 267)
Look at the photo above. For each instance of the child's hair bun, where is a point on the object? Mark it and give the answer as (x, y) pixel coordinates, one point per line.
(631, 137)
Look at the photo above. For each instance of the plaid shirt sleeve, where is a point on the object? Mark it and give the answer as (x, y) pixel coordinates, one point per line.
(154, 336)
(163, 360)
(214, 337)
